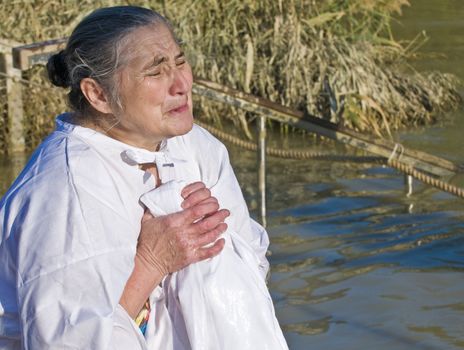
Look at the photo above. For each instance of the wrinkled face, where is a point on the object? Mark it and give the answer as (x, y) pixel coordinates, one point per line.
(155, 89)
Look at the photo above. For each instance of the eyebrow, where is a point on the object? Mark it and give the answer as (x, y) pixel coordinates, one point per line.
(158, 60)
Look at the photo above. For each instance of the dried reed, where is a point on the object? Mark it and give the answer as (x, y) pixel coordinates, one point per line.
(332, 58)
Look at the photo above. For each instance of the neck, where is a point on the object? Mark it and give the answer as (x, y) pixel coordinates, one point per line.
(110, 129)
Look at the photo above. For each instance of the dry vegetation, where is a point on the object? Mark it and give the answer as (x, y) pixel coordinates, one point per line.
(332, 58)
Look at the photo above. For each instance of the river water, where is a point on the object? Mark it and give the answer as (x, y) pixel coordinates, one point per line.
(356, 264)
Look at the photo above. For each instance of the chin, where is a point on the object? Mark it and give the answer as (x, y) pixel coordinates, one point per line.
(183, 126)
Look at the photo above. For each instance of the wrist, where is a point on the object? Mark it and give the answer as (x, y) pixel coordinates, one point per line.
(142, 281)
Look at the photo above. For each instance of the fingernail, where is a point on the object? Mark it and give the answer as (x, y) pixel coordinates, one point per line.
(185, 205)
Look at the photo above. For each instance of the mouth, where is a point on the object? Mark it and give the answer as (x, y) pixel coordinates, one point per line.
(179, 109)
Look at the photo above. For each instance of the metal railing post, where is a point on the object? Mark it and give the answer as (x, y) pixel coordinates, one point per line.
(408, 181)
(262, 167)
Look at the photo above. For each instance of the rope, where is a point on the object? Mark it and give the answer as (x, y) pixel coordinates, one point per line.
(428, 180)
(299, 154)
(293, 154)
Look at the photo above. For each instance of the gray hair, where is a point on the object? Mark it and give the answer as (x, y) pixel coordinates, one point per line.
(94, 51)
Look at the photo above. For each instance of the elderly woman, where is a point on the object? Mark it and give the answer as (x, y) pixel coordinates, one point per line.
(81, 256)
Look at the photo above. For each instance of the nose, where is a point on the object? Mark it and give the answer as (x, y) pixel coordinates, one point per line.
(181, 81)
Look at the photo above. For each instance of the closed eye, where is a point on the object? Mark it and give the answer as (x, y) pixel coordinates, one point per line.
(153, 74)
(180, 62)
(180, 59)
(160, 64)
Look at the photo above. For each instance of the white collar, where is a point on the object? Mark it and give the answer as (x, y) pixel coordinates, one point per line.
(131, 155)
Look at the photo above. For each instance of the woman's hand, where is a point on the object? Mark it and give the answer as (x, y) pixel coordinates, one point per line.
(168, 243)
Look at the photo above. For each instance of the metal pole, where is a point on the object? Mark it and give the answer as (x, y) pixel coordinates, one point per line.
(408, 180)
(262, 167)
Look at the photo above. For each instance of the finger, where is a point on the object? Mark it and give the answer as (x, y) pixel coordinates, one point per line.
(188, 216)
(196, 197)
(147, 215)
(211, 236)
(209, 222)
(199, 211)
(210, 200)
(209, 252)
(187, 190)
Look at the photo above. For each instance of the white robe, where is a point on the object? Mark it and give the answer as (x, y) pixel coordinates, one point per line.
(220, 303)
(69, 228)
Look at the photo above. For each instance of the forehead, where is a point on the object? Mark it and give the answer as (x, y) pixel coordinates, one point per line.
(147, 42)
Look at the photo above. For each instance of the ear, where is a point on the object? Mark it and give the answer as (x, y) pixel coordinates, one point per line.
(94, 93)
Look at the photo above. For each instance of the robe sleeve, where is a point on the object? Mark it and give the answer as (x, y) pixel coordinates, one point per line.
(74, 249)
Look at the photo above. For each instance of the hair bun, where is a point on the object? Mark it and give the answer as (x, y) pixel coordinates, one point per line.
(57, 70)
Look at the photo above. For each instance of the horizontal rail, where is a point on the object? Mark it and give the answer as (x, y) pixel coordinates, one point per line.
(388, 149)
(27, 56)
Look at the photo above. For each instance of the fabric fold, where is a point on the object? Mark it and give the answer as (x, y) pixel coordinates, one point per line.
(219, 303)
